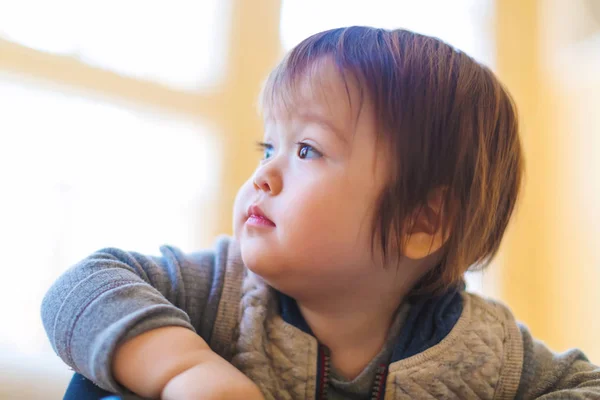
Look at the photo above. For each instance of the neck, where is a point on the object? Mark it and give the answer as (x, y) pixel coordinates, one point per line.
(353, 317)
(353, 326)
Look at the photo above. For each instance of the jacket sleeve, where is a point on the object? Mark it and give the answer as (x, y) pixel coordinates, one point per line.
(551, 376)
(113, 295)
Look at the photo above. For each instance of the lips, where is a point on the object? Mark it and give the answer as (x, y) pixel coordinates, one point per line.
(257, 217)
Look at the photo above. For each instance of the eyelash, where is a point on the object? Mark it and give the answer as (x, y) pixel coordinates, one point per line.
(263, 147)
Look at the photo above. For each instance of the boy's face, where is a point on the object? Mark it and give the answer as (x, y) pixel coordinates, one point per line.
(318, 184)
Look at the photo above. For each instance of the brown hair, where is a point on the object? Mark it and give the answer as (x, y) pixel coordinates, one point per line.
(449, 124)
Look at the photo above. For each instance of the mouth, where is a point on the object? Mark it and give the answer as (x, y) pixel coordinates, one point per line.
(256, 217)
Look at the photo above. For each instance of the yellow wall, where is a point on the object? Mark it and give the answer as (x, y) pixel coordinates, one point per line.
(551, 268)
(252, 23)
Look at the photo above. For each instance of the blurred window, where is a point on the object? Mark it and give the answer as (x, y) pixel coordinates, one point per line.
(466, 24)
(179, 43)
(79, 173)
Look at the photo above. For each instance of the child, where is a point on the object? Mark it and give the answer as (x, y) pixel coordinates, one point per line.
(391, 163)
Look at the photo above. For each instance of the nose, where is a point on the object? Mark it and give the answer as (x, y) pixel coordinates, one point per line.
(267, 178)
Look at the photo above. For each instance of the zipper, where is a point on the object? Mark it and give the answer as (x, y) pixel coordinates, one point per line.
(324, 376)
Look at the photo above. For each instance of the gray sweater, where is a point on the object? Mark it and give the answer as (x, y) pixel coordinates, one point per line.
(113, 295)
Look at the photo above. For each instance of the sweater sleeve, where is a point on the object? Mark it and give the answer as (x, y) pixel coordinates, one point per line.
(549, 376)
(113, 295)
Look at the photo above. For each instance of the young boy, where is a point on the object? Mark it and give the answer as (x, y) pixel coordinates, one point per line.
(391, 163)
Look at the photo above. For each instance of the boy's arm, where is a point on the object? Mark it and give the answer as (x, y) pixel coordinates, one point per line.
(113, 296)
(550, 376)
(174, 363)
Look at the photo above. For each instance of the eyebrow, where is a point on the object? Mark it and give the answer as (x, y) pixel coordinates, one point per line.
(321, 120)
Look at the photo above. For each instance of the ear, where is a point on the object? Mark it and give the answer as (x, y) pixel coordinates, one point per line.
(424, 236)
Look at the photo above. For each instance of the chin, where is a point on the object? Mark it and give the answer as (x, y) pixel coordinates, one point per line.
(256, 256)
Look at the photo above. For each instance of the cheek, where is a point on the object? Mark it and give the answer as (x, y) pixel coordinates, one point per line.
(326, 213)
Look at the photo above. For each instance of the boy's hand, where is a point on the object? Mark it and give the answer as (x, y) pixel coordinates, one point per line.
(214, 379)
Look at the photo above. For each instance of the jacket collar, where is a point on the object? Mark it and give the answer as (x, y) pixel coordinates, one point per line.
(429, 320)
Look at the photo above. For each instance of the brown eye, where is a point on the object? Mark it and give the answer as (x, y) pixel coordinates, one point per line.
(306, 151)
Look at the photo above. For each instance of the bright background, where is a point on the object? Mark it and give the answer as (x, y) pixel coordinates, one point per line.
(131, 123)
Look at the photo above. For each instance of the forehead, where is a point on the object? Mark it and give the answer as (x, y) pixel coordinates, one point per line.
(320, 88)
